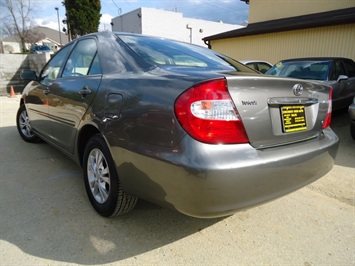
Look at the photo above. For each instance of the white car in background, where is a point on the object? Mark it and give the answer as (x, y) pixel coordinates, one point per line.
(259, 65)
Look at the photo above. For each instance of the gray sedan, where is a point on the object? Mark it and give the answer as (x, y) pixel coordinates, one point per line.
(176, 124)
(337, 72)
(261, 66)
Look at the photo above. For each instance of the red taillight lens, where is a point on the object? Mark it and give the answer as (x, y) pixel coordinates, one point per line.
(207, 113)
(328, 118)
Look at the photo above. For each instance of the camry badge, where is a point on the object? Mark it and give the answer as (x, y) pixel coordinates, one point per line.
(297, 89)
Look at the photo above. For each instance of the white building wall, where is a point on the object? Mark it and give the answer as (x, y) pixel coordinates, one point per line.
(168, 24)
(129, 22)
(163, 24)
(11, 47)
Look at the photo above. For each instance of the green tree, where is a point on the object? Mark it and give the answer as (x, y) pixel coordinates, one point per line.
(83, 16)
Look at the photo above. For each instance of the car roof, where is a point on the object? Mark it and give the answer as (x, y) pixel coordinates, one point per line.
(118, 34)
(315, 59)
(254, 61)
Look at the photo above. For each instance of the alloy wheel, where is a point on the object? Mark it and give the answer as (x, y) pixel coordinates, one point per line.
(98, 175)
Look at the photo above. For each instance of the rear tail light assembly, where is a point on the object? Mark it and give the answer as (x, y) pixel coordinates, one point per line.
(328, 117)
(207, 113)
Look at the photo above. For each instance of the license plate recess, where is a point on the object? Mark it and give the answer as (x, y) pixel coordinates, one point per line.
(293, 118)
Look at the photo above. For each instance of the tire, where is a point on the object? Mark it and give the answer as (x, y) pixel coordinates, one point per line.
(352, 129)
(24, 127)
(101, 180)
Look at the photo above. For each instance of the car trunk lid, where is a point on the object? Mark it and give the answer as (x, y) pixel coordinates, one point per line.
(278, 111)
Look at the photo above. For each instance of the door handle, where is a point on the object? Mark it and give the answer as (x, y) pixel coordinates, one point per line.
(85, 91)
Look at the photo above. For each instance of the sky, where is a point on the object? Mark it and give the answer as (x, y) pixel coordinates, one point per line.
(228, 11)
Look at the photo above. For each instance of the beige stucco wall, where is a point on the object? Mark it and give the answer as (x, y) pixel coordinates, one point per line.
(264, 10)
(324, 41)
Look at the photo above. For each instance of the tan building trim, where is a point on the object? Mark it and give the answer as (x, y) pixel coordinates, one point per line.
(265, 10)
(334, 41)
(330, 18)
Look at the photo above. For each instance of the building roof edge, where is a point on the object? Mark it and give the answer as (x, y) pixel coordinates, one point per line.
(329, 18)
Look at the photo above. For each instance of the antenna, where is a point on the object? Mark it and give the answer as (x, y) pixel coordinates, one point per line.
(119, 10)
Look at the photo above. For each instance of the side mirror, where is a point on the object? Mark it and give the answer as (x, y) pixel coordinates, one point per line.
(28, 74)
(342, 77)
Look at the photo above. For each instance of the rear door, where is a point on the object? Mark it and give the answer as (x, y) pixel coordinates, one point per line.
(276, 111)
(73, 92)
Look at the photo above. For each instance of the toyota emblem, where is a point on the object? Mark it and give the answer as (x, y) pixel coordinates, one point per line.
(297, 89)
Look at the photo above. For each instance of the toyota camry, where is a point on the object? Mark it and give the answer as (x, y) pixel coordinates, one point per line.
(178, 125)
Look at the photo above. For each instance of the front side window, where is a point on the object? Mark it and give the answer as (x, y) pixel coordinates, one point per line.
(51, 70)
(81, 59)
(350, 67)
(338, 70)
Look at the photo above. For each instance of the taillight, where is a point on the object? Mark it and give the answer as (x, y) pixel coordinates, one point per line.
(207, 113)
(328, 118)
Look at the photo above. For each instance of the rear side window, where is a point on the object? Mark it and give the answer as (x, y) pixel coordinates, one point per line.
(95, 66)
(262, 67)
(81, 59)
(163, 52)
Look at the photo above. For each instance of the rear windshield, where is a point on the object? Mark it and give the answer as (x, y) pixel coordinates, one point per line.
(172, 53)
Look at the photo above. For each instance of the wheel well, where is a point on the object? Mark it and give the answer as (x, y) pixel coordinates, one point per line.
(22, 101)
(85, 134)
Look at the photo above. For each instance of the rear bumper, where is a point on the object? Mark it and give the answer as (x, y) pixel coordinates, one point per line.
(204, 180)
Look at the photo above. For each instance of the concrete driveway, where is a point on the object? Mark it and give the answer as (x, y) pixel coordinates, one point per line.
(46, 218)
